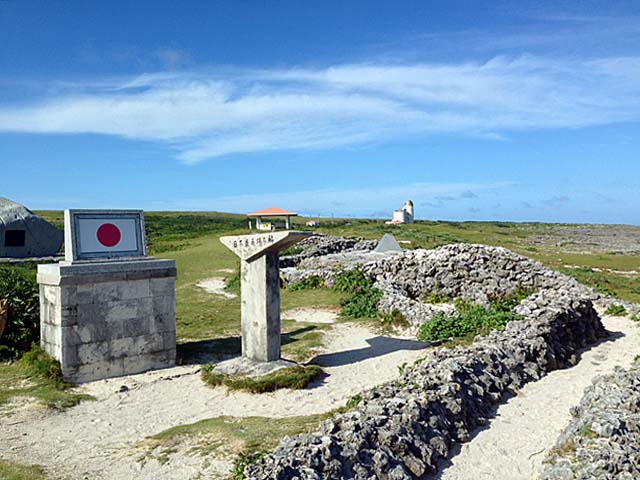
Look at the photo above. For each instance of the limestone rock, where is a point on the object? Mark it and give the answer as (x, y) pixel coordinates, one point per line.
(401, 429)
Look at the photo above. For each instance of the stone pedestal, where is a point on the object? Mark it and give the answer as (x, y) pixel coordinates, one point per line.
(260, 290)
(260, 310)
(107, 319)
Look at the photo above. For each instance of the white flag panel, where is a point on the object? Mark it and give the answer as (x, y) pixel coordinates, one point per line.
(107, 235)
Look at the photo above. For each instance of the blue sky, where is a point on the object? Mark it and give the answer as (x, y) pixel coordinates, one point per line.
(474, 110)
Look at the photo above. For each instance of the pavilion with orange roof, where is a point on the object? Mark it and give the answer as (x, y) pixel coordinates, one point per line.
(271, 213)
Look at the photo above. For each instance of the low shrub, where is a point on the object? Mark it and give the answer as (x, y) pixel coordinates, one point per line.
(362, 297)
(20, 291)
(506, 303)
(295, 378)
(616, 311)
(307, 283)
(477, 321)
(394, 318)
(433, 297)
(354, 401)
(246, 458)
(362, 304)
(233, 282)
(472, 319)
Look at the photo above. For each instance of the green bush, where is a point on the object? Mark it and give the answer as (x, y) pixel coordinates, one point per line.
(471, 319)
(20, 289)
(233, 282)
(506, 303)
(246, 458)
(307, 283)
(362, 297)
(616, 310)
(394, 318)
(433, 297)
(354, 401)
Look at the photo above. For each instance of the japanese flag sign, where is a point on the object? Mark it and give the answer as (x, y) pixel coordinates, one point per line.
(100, 234)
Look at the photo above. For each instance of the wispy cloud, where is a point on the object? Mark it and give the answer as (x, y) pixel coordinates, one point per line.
(208, 114)
(557, 200)
(366, 202)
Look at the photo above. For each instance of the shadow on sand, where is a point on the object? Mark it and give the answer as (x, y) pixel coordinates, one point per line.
(213, 350)
(378, 346)
(443, 464)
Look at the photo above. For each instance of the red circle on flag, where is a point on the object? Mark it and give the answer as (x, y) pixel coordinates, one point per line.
(108, 235)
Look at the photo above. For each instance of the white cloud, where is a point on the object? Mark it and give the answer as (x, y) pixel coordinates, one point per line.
(207, 114)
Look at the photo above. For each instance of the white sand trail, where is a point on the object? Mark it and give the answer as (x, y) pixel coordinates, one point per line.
(312, 314)
(94, 439)
(217, 286)
(527, 426)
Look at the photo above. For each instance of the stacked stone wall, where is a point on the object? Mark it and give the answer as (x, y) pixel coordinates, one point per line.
(603, 439)
(320, 245)
(403, 429)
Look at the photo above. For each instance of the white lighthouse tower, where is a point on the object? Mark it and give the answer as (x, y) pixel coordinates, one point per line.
(408, 208)
(403, 215)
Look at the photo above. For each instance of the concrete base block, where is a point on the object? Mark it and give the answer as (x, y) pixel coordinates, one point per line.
(107, 319)
(252, 368)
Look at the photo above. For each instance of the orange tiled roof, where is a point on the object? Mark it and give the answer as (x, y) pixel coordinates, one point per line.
(271, 211)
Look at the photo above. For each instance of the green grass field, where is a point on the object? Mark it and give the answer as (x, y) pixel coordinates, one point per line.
(210, 324)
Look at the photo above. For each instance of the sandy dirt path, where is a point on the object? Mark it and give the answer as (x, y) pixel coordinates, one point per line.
(216, 286)
(94, 439)
(527, 426)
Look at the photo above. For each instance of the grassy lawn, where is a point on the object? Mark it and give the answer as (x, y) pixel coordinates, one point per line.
(16, 471)
(209, 325)
(229, 436)
(207, 322)
(620, 286)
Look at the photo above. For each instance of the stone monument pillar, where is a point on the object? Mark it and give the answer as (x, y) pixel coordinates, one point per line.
(260, 290)
(108, 309)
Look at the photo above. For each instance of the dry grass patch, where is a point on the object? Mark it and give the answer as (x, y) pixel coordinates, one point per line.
(16, 471)
(227, 438)
(295, 378)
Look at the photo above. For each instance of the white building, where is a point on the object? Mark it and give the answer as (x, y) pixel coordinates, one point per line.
(403, 215)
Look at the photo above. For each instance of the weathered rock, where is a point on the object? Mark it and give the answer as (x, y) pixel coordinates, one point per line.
(320, 245)
(401, 429)
(476, 273)
(603, 439)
